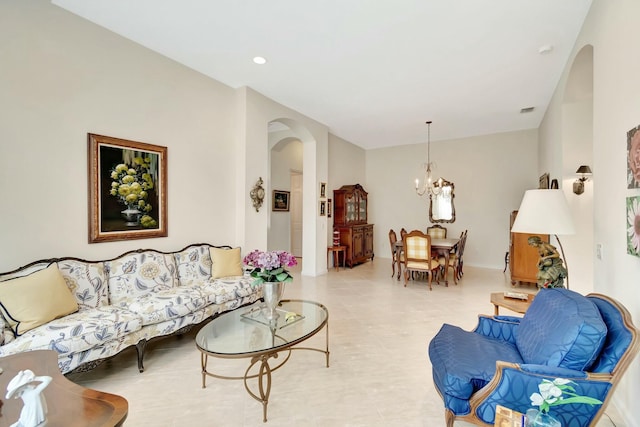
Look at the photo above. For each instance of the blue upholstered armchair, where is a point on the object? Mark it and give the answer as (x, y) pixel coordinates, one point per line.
(590, 340)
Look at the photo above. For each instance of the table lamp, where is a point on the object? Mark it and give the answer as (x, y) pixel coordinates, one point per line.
(545, 212)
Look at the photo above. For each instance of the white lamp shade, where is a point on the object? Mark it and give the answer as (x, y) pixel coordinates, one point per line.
(544, 212)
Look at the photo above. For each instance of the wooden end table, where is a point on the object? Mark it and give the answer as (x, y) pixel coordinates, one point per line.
(517, 305)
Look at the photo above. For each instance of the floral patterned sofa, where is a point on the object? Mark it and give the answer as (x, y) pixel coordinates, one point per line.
(88, 311)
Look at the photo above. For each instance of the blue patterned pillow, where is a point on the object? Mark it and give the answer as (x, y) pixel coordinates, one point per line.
(561, 328)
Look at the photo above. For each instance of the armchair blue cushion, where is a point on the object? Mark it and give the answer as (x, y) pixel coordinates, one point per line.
(561, 328)
(502, 361)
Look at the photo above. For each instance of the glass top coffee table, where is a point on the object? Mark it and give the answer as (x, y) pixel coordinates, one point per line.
(247, 333)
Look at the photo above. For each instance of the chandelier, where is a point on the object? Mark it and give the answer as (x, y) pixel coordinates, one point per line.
(428, 186)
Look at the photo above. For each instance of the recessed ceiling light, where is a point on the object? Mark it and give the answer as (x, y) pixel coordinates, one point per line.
(259, 60)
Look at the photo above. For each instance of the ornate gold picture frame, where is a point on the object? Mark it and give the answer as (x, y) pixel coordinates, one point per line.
(127, 189)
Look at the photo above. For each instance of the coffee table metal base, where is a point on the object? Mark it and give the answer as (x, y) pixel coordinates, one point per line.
(264, 369)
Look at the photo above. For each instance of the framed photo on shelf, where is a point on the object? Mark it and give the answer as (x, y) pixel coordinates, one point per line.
(127, 189)
(280, 201)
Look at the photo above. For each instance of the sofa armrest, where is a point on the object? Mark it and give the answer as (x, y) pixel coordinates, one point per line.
(499, 327)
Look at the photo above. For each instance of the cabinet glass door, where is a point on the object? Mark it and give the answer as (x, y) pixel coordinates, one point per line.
(350, 206)
(363, 209)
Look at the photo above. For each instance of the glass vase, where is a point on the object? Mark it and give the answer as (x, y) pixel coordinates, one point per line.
(535, 418)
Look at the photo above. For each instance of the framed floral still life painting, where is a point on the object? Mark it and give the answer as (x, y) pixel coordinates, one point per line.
(633, 158)
(633, 226)
(127, 189)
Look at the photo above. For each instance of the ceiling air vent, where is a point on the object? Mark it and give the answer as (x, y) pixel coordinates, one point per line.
(526, 110)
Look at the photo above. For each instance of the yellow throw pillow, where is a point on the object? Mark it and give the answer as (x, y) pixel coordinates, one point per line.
(30, 301)
(225, 262)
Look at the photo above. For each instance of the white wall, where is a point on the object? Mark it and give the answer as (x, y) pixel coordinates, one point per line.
(490, 174)
(285, 157)
(611, 28)
(256, 112)
(62, 77)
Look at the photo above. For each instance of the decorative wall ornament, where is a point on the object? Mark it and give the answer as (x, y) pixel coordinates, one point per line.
(257, 194)
(633, 226)
(633, 158)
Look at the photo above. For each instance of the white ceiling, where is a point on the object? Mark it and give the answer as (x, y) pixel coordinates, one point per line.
(373, 71)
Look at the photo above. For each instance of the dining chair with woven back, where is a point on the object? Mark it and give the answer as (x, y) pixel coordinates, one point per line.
(417, 256)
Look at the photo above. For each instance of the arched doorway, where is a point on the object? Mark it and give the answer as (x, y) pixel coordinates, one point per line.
(286, 174)
(289, 139)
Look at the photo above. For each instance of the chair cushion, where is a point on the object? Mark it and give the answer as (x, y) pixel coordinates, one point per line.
(415, 265)
(464, 362)
(77, 332)
(561, 328)
(165, 304)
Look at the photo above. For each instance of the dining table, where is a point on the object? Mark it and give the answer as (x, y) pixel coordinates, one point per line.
(442, 247)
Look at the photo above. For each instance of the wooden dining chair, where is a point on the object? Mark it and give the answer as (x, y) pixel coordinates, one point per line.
(460, 263)
(417, 256)
(455, 259)
(397, 255)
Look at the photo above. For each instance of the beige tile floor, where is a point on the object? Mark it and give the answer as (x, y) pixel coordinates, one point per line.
(379, 375)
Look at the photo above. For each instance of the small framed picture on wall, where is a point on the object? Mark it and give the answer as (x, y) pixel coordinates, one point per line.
(329, 208)
(280, 201)
(323, 208)
(323, 190)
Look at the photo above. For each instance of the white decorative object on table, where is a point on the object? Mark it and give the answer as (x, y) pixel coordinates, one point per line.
(25, 385)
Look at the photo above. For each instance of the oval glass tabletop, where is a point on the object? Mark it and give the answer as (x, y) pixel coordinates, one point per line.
(246, 331)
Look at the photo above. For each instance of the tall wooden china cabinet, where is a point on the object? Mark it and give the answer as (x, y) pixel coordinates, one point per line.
(523, 258)
(350, 220)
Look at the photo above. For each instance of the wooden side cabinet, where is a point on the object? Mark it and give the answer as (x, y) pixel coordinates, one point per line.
(523, 258)
(350, 221)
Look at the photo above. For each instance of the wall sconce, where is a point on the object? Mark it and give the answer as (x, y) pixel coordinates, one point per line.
(257, 194)
(585, 173)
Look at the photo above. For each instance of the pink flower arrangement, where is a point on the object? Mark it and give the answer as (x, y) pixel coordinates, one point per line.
(270, 266)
